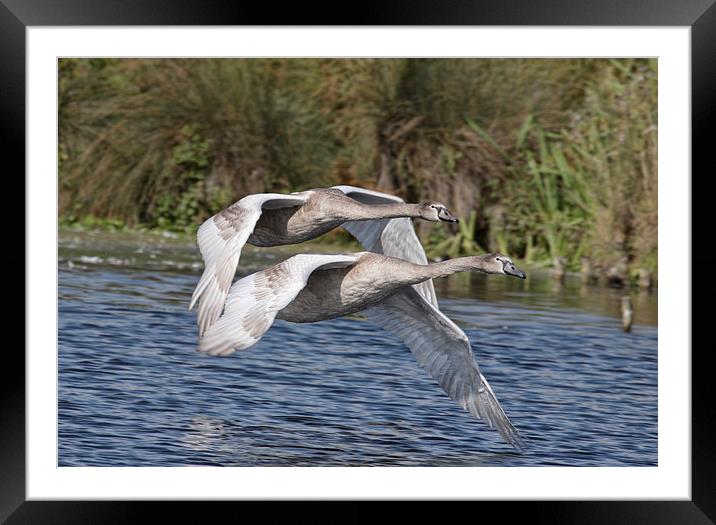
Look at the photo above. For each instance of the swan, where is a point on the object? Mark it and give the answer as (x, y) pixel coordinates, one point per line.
(308, 288)
(380, 222)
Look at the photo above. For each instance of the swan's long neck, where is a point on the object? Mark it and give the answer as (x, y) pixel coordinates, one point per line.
(365, 212)
(477, 263)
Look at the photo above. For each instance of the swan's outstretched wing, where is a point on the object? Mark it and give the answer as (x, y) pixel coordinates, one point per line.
(221, 239)
(443, 349)
(392, 237)
(254, 301)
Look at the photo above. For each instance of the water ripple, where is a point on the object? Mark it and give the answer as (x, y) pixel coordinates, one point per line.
(134, 392)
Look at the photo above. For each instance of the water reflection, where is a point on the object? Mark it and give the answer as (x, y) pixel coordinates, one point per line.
(542, 292)
(204, 434)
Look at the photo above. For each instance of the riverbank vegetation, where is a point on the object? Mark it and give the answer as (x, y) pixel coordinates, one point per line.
(543, 159)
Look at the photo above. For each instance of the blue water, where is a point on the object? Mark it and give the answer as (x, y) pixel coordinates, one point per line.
(134, 392)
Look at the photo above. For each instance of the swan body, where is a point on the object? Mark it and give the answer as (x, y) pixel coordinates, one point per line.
(380, 222)
(310, 288)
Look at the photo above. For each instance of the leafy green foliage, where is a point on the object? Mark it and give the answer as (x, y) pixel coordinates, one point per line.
(458, 244)
(542, 158)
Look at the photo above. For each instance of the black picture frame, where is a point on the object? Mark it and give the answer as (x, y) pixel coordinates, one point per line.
(699, 15)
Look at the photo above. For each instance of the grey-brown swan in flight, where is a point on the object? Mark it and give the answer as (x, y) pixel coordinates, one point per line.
(307, 288)
(380, 222)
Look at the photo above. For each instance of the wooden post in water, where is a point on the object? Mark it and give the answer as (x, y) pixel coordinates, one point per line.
(627, 313)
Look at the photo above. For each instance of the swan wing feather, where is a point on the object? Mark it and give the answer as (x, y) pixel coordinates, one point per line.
(253, 301)
(444, 351)
(392, 237)
(221, 239)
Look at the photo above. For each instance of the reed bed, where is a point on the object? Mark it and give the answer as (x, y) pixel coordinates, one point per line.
(542, 158)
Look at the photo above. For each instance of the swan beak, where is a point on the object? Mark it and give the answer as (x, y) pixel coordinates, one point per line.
(511, 269)
(446, 216)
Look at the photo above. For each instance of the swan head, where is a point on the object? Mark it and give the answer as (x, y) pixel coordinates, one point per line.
(503, 264)
(436, 212)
